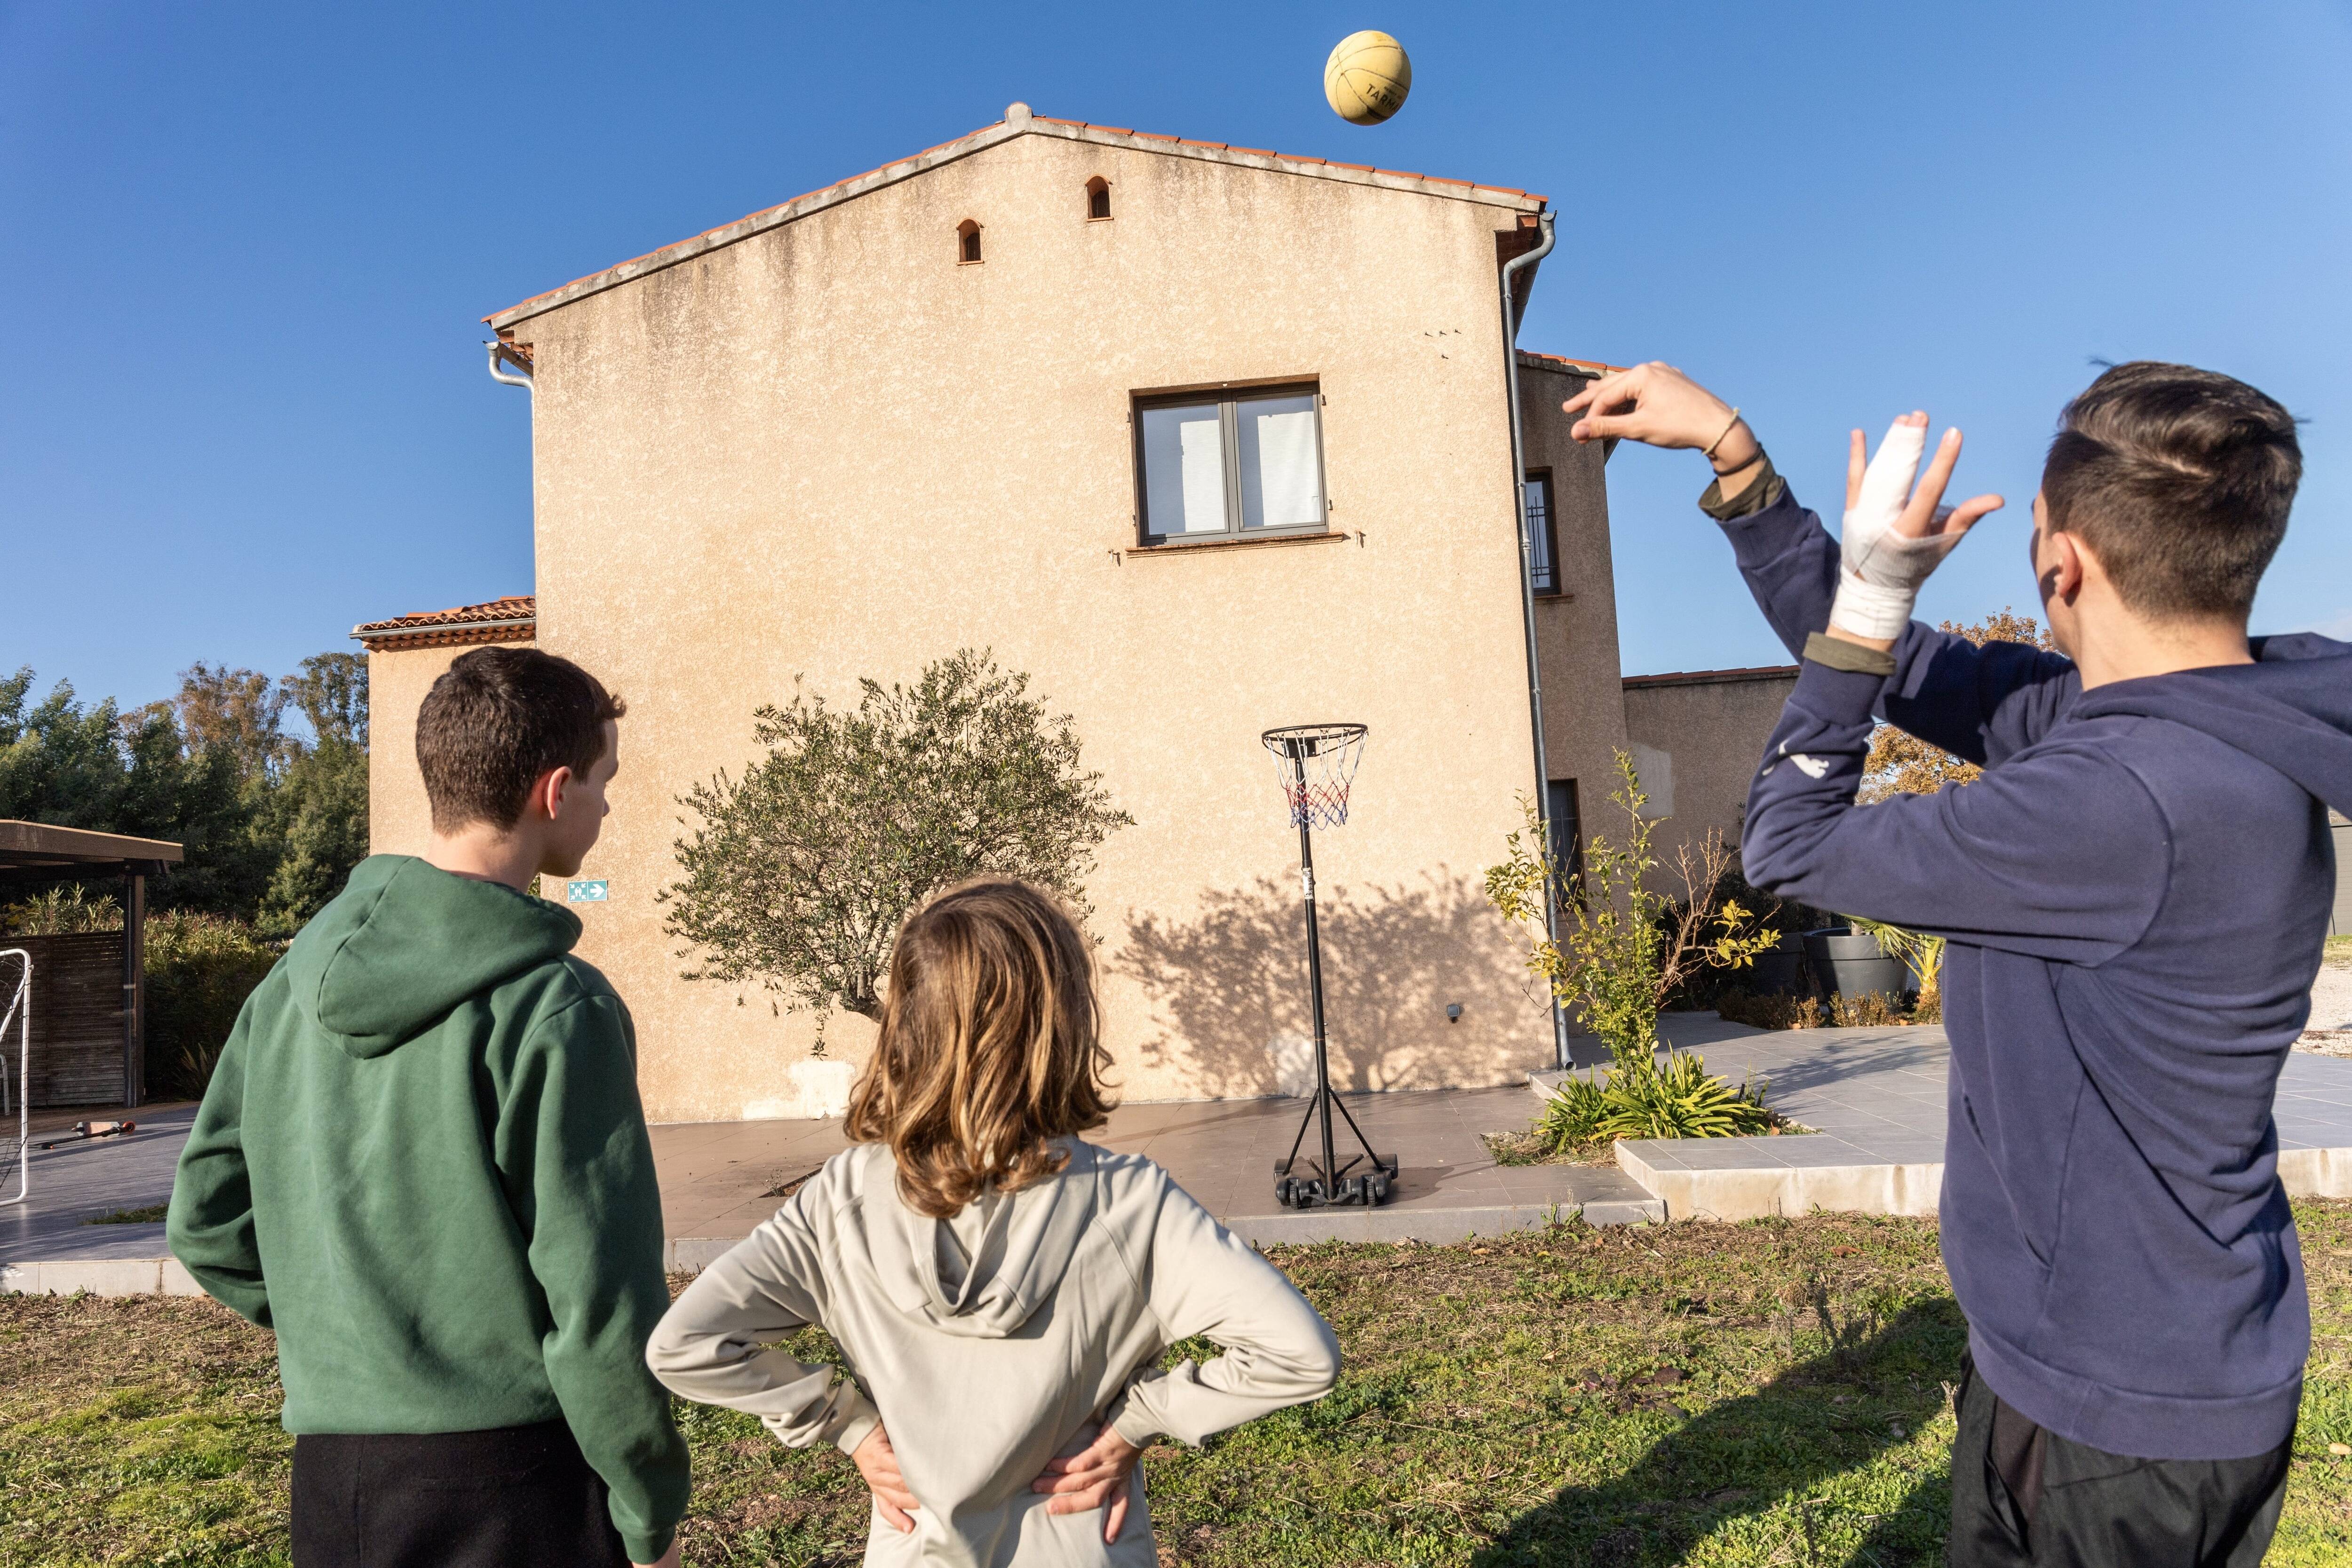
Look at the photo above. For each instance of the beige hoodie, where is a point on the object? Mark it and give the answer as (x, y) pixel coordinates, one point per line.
(991, 1342)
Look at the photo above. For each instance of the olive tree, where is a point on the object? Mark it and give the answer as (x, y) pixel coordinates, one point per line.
(803, 868)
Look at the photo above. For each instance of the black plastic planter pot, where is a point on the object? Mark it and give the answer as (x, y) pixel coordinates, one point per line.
(1780, 970)
(1849, 963)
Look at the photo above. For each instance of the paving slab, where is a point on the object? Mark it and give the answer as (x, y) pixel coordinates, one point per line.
(1875, 1099)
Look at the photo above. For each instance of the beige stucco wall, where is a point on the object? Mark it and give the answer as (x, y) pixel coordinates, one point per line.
(1712, 734)
(1576, 629)
(828, 452)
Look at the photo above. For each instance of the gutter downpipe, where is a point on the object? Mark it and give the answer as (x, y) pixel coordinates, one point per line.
(497, 350)
(1560, 1057)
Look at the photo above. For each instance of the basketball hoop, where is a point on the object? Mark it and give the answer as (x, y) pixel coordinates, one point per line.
(1318, 763)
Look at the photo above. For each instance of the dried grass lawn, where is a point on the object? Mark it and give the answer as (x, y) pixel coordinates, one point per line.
(1764, 1393)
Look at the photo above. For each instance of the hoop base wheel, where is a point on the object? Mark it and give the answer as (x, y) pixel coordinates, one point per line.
(1305, 1186)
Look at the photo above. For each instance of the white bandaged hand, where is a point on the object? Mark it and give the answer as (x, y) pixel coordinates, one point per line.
(1881, 568)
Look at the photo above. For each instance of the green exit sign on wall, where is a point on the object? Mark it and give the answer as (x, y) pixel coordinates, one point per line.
(595, 892)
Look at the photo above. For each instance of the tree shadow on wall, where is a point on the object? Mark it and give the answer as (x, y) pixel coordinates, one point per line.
(1229, 986)
(1824, 1417)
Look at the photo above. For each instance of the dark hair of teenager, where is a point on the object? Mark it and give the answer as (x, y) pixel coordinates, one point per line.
(2179, 479)
(497, 719)
(990, 1046)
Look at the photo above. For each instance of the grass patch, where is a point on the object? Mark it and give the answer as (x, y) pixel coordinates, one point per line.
(1528, 1147)
(2339, 951)
(1769, 1393)
(152, 1215)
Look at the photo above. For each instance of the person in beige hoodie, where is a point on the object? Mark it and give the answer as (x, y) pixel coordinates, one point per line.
(1000, 1290)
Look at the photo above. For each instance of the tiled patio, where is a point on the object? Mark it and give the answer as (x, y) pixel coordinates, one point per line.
(720, 1179)
(1875, 1099)
(72, 1183)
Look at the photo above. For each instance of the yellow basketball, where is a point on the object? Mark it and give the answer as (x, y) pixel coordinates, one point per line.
(1366, 78)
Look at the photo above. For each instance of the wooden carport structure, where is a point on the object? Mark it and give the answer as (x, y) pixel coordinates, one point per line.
(90, 1028)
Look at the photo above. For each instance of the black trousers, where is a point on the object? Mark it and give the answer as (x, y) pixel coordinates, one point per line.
(517, 1497)
(2022, 1494)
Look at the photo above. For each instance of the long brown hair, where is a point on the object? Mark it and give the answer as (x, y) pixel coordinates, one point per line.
(990, 1046)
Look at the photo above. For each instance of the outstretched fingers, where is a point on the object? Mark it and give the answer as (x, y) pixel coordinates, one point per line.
(1857, 460)
(1918, 517)
(1607, 403)
(1926, 516)
(1958, 520)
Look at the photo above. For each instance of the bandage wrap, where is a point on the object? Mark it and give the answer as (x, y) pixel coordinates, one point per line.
(1880, 569)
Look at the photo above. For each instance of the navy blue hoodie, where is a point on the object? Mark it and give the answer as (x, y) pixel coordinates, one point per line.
(2135, 894)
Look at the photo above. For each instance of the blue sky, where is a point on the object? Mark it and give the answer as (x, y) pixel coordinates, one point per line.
(246, 246)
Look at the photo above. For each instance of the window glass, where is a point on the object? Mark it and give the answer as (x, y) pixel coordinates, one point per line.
(1184, 469)
(1539, 534)
(1282, 484)
(1566, 835)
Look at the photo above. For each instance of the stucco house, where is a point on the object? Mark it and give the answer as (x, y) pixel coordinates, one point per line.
(1206, 440)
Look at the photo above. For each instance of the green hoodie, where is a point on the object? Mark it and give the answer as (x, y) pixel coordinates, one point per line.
(421, 1162)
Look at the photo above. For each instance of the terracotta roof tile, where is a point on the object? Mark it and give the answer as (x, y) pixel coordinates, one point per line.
(513, 618)
(1591, 364)
(750, 223)
(1714, 676)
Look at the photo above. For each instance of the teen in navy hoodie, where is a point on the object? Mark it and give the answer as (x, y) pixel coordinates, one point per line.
(2136, 896)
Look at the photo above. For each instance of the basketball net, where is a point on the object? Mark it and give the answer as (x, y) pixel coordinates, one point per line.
(1318, 764)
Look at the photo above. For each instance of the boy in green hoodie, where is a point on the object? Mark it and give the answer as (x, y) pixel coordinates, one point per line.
(422, 1160)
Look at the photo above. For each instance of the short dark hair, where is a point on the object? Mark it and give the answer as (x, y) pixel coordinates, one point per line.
(2179, 479)
(497, 719)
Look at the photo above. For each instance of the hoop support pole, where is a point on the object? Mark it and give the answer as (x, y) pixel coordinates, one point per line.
(1561, 1057)
(1314, 967)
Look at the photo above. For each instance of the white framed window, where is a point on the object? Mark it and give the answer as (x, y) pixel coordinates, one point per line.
(1229, 464)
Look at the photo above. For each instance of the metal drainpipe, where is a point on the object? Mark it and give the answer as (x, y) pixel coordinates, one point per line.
(524, 382)
(1527, 595)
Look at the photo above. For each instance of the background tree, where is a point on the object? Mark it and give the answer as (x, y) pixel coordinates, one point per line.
(318, 811)
(804, 868)
(1902, 763)
(271, 823)
(238, 711)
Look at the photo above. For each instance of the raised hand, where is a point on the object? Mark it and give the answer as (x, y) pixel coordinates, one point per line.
(1894, 536)
(1097, 1476)
(1658, 405)
(878, 1463)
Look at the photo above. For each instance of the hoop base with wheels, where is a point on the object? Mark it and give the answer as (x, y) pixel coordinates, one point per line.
(1301, 1184)
(1329, 1181)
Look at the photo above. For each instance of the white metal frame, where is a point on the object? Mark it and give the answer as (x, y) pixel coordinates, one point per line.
(20, 1013)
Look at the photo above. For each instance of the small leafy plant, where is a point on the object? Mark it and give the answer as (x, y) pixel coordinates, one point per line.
(1629, 948)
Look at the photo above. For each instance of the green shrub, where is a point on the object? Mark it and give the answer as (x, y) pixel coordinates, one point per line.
(1680, 1100)
(200, 970)
(1623, 947)
(67, 910)
(1571, 1118)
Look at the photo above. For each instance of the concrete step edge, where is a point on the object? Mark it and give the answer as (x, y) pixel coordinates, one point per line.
(98, 1275)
